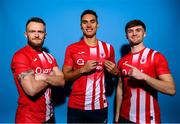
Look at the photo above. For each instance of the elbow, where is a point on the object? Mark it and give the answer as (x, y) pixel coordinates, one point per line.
(30, 93)
(172, 92)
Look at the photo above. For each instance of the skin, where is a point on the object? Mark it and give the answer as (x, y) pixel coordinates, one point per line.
(164, 84)
(32, 83)
(89, 26)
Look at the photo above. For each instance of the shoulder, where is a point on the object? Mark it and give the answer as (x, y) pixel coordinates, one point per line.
(20, 57)
(20, 53)
(124, 58)
(156, 54)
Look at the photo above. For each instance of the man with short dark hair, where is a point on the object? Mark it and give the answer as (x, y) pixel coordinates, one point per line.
(35, 71)
(143, 73)
(84, 64)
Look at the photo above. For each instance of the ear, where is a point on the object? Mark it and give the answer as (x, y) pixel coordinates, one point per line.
(98, 25)
(144, 34)
(45, 35)
(25, 34)
(126, 36)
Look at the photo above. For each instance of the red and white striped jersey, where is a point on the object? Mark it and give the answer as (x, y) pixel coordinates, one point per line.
(140, 103)
(88, 91)
(39, 109)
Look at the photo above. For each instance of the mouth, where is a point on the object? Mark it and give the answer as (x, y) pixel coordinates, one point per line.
(89, 30)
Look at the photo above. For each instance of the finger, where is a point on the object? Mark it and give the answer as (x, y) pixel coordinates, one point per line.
(128, 65)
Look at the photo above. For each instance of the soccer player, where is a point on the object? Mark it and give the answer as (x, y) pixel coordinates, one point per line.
(84, 65)
(35, 71)
(143, 73)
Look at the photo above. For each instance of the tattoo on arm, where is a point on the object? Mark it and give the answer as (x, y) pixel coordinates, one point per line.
(24, 74)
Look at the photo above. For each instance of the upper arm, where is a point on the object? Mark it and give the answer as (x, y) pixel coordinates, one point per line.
(161, 64)
(25, 79)
(112, 54)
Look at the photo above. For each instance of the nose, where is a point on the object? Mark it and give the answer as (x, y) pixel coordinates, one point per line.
(134, 32)
(36, 34)
(88, 24)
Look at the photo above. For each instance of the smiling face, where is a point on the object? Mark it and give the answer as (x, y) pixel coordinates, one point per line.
(89, 25)
(135, 35)
(35, 34)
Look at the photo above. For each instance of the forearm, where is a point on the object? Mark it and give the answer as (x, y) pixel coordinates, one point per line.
(118, 100)
(72, 75)
(32, 86)
(164, 86)
(118, 107)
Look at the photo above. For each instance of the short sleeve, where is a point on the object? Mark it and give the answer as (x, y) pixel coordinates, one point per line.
(68, 58)
(112, 54)
(161, 64)
(20, 63)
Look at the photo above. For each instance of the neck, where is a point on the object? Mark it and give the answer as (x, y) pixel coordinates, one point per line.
(90, 41)
(137, 48)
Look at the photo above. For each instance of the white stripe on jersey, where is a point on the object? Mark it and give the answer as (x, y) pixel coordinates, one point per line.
(41, 57)
(132, 116)
(144, 56)
(104, 97)
(97, 96)
(102, 54)
(132, 113)
(51, 56)
(108, 47)
(152, 110)
(142, 106)
(152, 57)
(48, 58)
(135, 58)
(89, 91)
(93, 52)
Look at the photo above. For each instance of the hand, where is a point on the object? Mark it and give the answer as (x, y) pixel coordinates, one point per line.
(135, 73)
(111, 67)
(116, 119)
(40, 77)
(89, 66)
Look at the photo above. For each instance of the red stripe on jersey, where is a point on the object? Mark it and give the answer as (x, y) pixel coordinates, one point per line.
(148, 108)
(101, 93)
(137, 105)
(94, 92)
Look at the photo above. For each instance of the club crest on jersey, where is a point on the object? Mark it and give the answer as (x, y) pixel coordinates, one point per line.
(80, 61)
(143, 60)
(102, 55)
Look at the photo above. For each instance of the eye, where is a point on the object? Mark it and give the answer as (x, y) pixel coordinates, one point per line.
(31, 31)
(84, 22)
(41, 32)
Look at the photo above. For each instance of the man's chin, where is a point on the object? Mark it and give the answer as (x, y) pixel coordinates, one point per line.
(36, 46)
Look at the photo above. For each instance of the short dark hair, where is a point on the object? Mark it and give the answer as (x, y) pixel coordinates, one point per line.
(35, 19)
(135, 23)
(88, 11)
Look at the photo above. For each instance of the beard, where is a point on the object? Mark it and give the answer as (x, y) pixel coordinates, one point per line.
(36, 46)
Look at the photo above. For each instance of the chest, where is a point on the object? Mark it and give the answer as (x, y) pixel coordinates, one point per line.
(144, 63)
(81, 55)
(41, 63)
